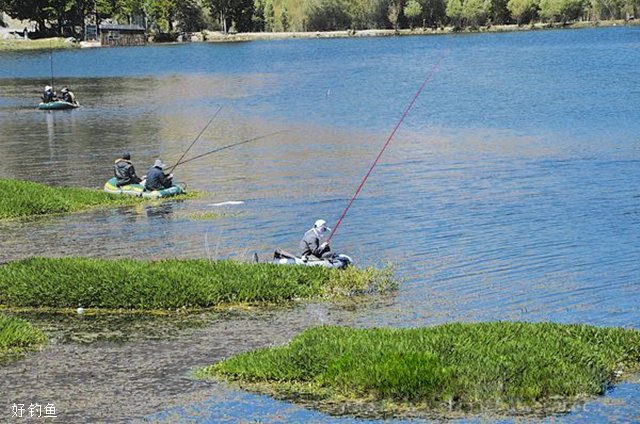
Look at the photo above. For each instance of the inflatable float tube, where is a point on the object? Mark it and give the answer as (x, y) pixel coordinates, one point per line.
(281, 257)
(58, 105)
(111, 186)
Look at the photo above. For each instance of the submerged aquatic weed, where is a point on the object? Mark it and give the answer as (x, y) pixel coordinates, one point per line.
(353, 281)
(165, 284)
(22, 199)
(17, 336)
(205, 216)
(500, 366)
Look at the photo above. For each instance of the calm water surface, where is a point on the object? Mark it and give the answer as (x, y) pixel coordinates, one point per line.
(509, 193)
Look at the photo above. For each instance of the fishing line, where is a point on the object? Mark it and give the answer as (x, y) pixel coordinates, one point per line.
(228, 146)
(386, 144)
(194, 141)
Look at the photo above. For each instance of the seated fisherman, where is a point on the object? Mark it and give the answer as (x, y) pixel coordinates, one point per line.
(68, 96)
(124, 171)
(48, 95)
(312, 246)
(156, 178)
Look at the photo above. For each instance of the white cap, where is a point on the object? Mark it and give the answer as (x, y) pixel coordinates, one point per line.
(158, 164)
(321, 223)
(47, 88)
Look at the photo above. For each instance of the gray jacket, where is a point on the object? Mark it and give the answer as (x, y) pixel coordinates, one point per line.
(125, 173)
(310, 245)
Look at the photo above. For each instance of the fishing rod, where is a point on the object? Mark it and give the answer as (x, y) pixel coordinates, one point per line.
(386, 144)
(228, 146)
(51, 62)
(196, 139)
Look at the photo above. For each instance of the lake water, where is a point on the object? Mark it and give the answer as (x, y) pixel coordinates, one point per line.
(510, 192)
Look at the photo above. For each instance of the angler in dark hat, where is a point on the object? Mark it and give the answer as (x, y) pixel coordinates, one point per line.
(124, 171)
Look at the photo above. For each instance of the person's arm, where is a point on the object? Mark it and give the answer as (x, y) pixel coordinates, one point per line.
(134, 177)
(166, 180)
(316, 248)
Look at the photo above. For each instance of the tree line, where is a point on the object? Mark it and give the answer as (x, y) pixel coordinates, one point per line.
(68, 17)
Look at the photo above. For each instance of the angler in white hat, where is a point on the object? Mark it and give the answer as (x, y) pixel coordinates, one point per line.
(312, 244)
(156, 178)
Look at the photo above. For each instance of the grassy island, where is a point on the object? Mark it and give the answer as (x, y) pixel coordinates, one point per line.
(499, 367)
(17, 336)
(23, 199)
(40, 44)
(130, 284)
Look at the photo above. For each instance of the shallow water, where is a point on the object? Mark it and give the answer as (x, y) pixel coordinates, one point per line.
(509, 193)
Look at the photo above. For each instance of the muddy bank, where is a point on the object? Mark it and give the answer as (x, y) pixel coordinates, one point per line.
(94, 375)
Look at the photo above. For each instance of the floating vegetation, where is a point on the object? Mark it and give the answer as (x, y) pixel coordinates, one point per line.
(99, 327)
(500, 367)
(22, 199)
(206, 215)
(174, 283)
(18, 336)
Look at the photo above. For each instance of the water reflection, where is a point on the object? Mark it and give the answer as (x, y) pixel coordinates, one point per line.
(511, 204)
(159, 212)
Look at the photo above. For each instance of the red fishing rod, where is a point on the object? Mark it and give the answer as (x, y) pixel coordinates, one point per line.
(386, 144)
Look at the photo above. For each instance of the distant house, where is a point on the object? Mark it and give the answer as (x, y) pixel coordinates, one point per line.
(122, 35)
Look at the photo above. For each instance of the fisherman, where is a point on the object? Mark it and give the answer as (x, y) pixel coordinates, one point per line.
(124, 171)
(312, 246)
(48, 95)
(67, 95)
(156, 178)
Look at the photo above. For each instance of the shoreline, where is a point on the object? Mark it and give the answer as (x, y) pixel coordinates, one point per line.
(219, 37)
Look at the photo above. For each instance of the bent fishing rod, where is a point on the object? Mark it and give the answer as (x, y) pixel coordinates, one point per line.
(228, 146)
(386, 144)
(196, 139)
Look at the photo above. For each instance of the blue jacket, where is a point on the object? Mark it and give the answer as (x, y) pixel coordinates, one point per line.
(157, 180)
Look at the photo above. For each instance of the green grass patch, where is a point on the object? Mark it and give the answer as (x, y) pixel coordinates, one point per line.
(40, 44)
(18, 336)
(503, 367)
(24, 199)
(173, 283)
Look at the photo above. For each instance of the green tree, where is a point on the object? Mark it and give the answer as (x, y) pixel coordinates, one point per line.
(39, 11)
(221, 10)
(523, 11)
(242, 14)
(454, 12)
(284, 19)
(367, 14)
(190, 16)
(413, 12)
(269, 16)
(433, 12)
(327, 15)
(395, 12)
(561, 10)
(499, 12)
(258, 15)
(475, 12)
(160, 14)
